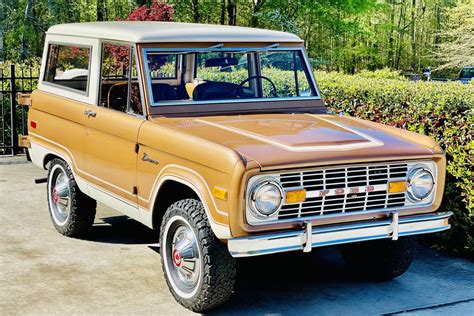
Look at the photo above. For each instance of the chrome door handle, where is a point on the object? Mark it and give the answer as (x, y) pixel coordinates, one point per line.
(149, 159)
(89, 113)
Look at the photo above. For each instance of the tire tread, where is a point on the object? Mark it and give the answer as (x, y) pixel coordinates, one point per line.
(218, 266)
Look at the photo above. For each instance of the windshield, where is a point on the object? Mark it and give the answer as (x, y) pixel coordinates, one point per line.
(214, 75)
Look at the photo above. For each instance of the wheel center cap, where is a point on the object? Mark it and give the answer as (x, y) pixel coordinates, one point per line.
(55, 196)
(176, 258)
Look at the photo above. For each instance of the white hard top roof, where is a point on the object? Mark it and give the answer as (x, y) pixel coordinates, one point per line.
(154, 32)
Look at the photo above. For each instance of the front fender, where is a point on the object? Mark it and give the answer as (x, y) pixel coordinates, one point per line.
(218, 217)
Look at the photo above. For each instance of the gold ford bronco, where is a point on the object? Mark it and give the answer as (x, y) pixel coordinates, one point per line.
(218, 138)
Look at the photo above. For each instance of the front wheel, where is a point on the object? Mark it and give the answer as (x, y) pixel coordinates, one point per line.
(198, 268)
(380, 259)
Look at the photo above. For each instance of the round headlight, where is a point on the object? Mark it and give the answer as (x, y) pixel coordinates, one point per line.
(266, 198)
(420, 183)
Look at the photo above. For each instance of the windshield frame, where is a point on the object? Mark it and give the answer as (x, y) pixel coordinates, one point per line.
(232, 105)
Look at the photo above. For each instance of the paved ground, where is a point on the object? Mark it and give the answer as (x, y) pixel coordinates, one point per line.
(117, 270)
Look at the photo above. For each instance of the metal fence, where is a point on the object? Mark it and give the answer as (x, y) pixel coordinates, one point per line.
(14, 80)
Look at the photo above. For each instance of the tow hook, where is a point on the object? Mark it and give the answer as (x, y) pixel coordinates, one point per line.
(41, 180)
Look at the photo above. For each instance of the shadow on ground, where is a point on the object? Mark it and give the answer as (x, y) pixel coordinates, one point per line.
(121, 230)
(319, 282)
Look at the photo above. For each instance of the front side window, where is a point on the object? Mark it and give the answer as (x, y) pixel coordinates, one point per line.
(119, 87)
(228, 75)
(68, 66)
(287, 69)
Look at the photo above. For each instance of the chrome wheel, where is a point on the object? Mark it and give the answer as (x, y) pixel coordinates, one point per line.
(182, 256)
(59, 194)
(198, 268)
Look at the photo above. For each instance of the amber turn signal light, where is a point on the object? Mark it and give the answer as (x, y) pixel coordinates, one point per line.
(219, 193)
(295, 196)
(397, 186)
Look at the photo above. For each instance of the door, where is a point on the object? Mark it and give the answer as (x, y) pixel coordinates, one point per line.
(112, 131)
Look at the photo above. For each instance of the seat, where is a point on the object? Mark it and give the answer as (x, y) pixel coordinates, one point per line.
(117, 96)
(163, 92)
(216, 91)
(190, 86)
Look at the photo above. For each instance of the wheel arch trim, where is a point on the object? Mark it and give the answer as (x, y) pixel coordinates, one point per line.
(39, 152)
(221, 231)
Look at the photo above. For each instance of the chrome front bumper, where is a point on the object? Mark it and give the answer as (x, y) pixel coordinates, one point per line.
(310, 237)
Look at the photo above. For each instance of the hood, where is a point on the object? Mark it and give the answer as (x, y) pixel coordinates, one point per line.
(274, 140)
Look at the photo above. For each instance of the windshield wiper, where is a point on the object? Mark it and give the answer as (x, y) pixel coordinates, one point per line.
(262, 49)
(274, 45)
(204, 50)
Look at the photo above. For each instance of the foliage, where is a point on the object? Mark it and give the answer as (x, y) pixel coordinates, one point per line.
(443, 111)
(458, 49)
(157, 11)
(384, 73)
(344, 35)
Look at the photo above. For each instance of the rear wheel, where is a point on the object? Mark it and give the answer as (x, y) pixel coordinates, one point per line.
(198, 268)
(72, 212)
(380, 259)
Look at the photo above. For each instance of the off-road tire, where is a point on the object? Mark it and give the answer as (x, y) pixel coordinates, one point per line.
(380, 260)
(217, 277)
(82, 209)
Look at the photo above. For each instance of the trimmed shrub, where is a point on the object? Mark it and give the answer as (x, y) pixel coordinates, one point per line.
(441, 110)
(384, 73)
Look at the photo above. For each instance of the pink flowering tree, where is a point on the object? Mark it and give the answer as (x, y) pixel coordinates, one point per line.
(157, 11)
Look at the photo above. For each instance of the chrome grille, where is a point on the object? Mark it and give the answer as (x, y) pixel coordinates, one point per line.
(341, 189)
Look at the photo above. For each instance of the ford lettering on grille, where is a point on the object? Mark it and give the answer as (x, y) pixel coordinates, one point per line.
(344, 189)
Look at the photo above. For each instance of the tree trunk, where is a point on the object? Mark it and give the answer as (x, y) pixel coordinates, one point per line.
(391, 38)
(231, 12)
(437, 39)
(28, 17)
(413, 36)
(195, 6)
(222, 17)
(101, 14)
(256, 8)
(401, 35)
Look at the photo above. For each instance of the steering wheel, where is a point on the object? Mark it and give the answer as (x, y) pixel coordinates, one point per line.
(240, 85)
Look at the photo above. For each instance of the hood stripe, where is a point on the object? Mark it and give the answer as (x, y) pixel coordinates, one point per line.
(371, 142)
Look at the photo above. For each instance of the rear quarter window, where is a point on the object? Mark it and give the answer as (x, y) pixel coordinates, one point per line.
(68, 66)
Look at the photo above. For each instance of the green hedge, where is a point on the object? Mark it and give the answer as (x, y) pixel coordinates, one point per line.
(443, 111)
